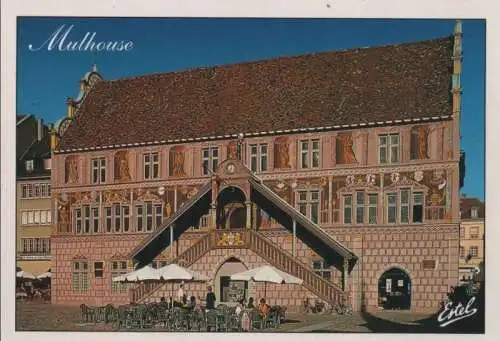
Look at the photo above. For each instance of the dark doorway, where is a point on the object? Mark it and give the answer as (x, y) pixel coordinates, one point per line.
(232, 291)
(394, 288)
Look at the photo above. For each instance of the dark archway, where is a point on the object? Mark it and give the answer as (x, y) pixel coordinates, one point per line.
(227, 290)
(230, 205)
(394, 289)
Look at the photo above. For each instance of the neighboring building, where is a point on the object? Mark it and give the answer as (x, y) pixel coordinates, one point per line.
(34, 204)
(471, 237)
(341, 168)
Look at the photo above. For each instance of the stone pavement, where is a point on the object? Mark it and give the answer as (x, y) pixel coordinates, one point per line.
(39, 316)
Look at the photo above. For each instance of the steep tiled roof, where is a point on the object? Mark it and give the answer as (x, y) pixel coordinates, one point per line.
(466, 205)
(380, 84)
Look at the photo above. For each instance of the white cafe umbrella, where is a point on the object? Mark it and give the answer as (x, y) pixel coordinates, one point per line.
(175, 273)
(178, 273)
(266, 274)
(44, 275)
(146, 273)
(24, 274)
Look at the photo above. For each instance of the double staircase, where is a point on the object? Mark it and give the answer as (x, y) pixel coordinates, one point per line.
(281, 259)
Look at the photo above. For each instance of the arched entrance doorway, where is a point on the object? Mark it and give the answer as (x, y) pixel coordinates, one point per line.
(231, 210)
(394, 289)
(227, 290)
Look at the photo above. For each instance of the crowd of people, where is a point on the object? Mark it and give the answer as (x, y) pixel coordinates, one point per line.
(194, 303)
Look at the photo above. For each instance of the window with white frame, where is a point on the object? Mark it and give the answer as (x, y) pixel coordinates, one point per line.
(98, 170)
(310, 153)
(462, 252)
(347, 209)
(148, 216)
(35, 190)
(95, 220)
(391, 208)
(360, 207)
(418, 207)
(108, 219)
(308, 204)
(126, 218)
(372, 208)
(30, 165)
(320, 268)
(86, 219)
(474, 212)
(80, 276)
(405, 206)
(36, 217)
(389, 148)
(473, 251)
(258, 157)
(117, 218)
(118, 267)
(209, 159)
(151, 163)
(36, 245)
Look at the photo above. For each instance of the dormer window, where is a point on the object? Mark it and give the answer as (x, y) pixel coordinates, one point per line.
(29, 165)
(474, 212)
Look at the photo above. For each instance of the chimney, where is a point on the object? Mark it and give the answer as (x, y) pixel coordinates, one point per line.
(39, 129)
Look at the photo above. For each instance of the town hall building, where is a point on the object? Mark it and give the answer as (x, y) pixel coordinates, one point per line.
(340, 168)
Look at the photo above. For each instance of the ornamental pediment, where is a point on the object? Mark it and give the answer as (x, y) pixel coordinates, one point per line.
(232, 168)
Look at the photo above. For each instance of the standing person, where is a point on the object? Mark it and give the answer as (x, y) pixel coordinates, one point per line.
(180, 292)
(210, 299)
(250, 303)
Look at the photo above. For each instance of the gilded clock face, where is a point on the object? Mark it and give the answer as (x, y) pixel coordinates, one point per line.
(231, 168)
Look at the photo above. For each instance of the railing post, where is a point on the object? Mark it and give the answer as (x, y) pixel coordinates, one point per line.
(294, 240)
(249, 214)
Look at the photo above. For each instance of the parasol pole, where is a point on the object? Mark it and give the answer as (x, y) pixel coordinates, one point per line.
(265, 290)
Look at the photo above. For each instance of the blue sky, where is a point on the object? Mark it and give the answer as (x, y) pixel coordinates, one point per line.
(46, 78)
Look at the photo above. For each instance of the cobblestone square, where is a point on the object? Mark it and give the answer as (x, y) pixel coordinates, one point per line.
(37, 316)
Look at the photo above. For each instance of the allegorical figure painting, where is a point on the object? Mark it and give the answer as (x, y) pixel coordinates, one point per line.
(419, 142)
(177, 161)
(344, 149)
(71, 170)
(232, 150)
(122, 172)
(282, 153)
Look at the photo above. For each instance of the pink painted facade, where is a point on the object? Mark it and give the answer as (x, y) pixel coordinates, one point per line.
(379, 246)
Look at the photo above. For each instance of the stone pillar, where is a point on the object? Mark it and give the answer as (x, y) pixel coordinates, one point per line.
(254, 216)
(345, 274)
(249, 214)
(171, 245)
(294, 240)
(330, 206)
(213, 216)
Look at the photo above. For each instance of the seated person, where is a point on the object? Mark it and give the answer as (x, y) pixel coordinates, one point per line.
(239, 307)
(263, 307)
(191, 304)
(199, 306)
